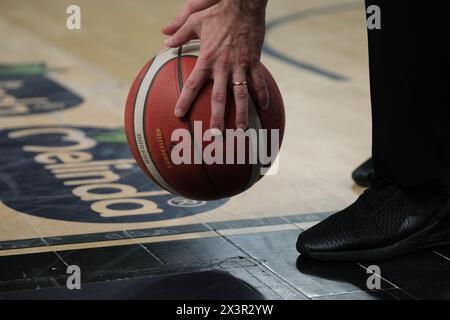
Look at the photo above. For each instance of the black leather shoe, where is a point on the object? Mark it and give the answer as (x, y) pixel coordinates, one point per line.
(384, 222)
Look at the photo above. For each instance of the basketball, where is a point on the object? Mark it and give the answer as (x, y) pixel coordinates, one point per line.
(150, 125)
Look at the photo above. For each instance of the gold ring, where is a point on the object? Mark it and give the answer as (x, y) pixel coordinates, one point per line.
(242, 83)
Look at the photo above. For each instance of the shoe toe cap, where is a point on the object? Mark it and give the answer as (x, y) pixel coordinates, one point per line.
(302, 245)
(315, 241)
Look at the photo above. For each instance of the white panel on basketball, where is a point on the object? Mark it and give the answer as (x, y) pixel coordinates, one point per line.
(159, 61)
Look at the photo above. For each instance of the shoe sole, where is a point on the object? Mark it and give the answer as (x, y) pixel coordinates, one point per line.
(422, 239)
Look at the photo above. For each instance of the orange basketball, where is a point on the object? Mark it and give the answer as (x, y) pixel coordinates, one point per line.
(150, 123)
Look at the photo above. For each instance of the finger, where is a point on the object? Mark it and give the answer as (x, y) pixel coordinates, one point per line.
(189, 8)
(218, 100)
(190, 90)
(241, 100)
(259, 86)
(185, 34)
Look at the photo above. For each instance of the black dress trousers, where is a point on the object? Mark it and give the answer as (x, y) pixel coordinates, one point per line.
(410, 90)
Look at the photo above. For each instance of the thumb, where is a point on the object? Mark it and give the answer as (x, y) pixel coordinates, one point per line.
(185, 34)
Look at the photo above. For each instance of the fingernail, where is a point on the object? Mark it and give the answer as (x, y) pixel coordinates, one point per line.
(179, 113)
(215, 132)
(241, 126)
(167, 42)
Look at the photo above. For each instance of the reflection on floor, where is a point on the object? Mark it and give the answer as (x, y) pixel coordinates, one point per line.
(263, 265)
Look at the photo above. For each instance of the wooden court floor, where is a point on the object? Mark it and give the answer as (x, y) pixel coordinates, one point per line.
(64, 91)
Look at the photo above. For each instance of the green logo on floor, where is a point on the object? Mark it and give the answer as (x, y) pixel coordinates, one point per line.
(25, 89)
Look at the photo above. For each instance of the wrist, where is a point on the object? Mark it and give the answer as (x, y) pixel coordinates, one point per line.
(254, 8)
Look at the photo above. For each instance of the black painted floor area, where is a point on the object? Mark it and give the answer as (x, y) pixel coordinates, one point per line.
(250, 266)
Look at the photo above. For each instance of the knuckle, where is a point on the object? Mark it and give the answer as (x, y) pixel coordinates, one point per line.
(192, 84)
(242, 114)
(222, 63)
(241, 65)
(218, 97)
(189, 20)
(216, 118)
(241, 93)
(264, 99)
(202, 68)
(259, 86)
(254, 62)
(176, 22)
(193, 18)
(207, 54)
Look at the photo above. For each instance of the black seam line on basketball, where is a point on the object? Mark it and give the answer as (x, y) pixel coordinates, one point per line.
(191, 131)
(23, 244)
(180, 86)
(144, 127)
(180, 79)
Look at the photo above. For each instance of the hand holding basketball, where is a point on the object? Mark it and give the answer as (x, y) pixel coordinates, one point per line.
(181, 155)
(231, 34)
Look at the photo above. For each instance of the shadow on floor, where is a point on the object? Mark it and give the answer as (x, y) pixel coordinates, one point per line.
(208, 285)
